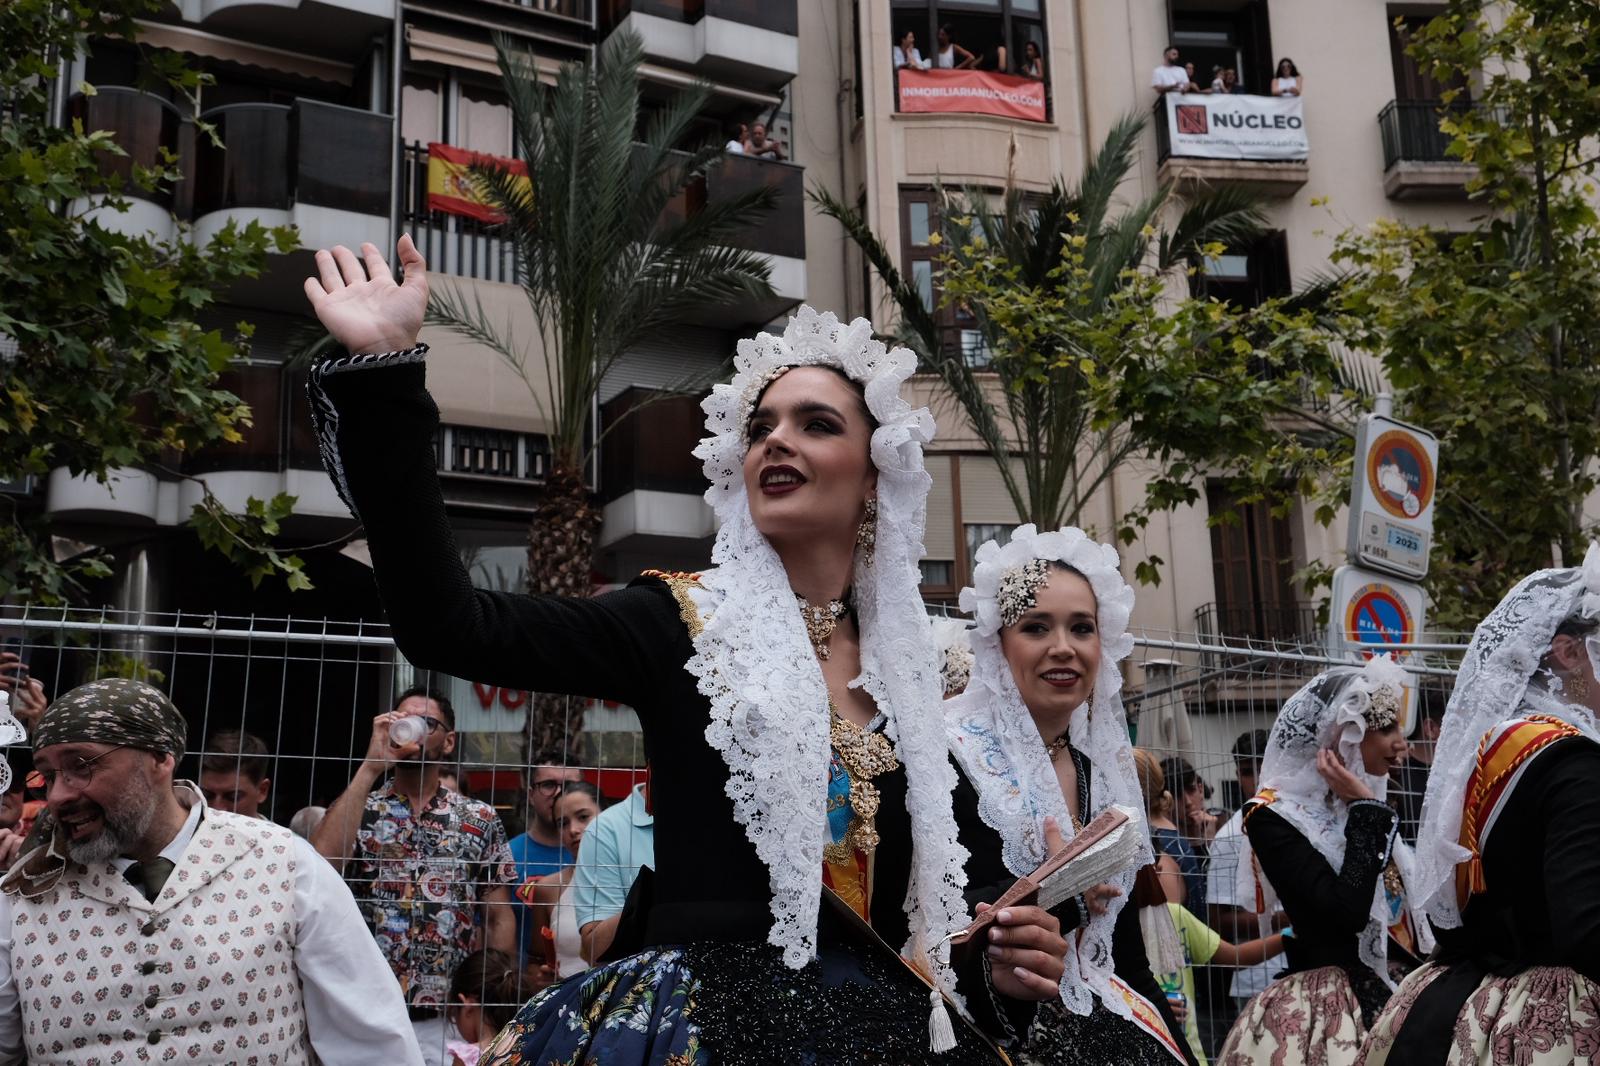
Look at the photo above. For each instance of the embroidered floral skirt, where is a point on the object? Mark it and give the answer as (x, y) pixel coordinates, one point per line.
(732, 1004)
(1312, 1018)
(1544, 1016)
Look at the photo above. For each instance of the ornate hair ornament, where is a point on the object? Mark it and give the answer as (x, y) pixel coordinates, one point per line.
(1383, 680)
(955, 654)
(1383, 709)
(1019, 589)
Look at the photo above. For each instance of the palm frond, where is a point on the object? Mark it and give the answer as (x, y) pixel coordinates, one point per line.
(1229, 215)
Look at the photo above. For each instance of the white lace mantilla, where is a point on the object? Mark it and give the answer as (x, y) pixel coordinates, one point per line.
(1331, 712)
(1500, 678)
(769, 703)
(1000, 749)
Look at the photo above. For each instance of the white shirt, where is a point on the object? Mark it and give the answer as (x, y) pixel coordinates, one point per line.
(1166, 77)
(1229, 848)
(947, 58)
(916, 59)
(569, 944)
(734, 147)
(353, 1007)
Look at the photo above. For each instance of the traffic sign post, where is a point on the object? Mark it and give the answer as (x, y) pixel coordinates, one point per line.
(1369, 614)
(1391, 497)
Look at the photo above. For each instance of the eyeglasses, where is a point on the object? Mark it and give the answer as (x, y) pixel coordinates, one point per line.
(78, 774)
(549, 787)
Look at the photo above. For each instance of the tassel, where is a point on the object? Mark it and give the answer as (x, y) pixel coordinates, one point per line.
(941, 1033)
(1160, 940)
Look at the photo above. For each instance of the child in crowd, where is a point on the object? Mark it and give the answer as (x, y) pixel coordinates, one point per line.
(1203, 945)
(484, 995)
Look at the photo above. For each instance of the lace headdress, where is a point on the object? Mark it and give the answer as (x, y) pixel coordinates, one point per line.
(1501, 678)
(755, 664)
(1333, 711)
(999, 747)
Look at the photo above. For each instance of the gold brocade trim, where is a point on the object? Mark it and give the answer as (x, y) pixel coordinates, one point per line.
(679, 583)
(865, 755)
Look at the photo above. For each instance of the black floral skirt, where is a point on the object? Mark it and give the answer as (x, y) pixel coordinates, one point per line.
(734, 1004)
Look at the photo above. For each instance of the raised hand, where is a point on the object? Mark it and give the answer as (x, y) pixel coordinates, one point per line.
(1346, 785)
(363, 308)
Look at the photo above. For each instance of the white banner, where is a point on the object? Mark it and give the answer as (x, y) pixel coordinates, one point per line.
(1235, 126)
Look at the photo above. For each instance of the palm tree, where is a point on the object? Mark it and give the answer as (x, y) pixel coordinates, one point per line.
(1046, 422)
(605, 260)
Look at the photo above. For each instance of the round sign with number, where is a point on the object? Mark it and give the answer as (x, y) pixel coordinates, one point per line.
(1400, 474)
(1377, 617)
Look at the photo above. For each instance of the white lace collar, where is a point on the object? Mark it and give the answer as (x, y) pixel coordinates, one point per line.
(995, 740)
(1500, 679)
(1331, 712)
(769, 704)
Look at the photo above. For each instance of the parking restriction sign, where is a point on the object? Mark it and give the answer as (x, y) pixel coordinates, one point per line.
(1391, 498)
(1371, 614)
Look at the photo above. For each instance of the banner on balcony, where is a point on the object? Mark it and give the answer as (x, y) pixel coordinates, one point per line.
(1234, 126)
(450, 185)
(979, 92)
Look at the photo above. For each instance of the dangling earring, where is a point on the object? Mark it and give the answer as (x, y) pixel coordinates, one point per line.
(867, 531)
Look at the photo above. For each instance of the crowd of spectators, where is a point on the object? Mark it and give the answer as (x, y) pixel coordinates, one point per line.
(950, 54)
(1174, 75)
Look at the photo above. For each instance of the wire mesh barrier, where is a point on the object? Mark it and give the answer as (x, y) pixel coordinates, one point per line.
(439, 880)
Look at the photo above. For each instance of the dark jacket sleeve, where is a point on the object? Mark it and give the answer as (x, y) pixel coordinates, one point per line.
(1569, 812)
(1313, 893)
(377, 428)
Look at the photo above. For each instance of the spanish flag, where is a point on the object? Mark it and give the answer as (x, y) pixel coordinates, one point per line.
(450, 185)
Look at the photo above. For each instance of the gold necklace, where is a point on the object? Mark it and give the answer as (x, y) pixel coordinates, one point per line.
(865, 755)
(1057, 746)
(822, 621)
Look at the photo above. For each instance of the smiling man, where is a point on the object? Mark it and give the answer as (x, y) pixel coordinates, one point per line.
(201, 934)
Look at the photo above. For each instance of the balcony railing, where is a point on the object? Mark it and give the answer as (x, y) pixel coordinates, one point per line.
(473, 451)
(780, 16)
(1411, 132)
(143, 126)
(648, 444)
(783, 230)
(450, 243)
(582, 10)
(275, 155)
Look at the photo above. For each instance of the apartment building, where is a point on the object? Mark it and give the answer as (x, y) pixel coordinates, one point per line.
(326, 109)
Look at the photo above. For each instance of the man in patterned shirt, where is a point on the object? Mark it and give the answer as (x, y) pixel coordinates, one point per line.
(422, 861)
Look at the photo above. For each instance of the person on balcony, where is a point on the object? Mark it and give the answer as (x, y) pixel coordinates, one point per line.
(1170, 76)
(1228, 83)
(790, 700)
(738, 133)
(906, 56)
(1193, 86)
(951, 56)
(1032, 61)
(760, 145)
(1288, 81)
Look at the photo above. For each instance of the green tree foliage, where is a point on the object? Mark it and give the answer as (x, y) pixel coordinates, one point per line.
(1491, 337)
(1096, 359)
(103, 365)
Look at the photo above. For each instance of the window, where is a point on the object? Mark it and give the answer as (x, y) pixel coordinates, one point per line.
(1247, 277)
(1252, 560)
(995, 31)
(938, 574)
(919, 220)
(978, 532)
(1412, 82)
(1229, 33)
(483, 121)
(421, 109)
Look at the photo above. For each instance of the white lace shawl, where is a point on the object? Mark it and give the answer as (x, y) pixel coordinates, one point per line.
(769, 704)
(1500, 679)
(998, 745)
(1330, 712)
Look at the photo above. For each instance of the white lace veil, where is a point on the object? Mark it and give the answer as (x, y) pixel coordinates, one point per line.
(1331, 712)
(1500, 679)
(998, 745)
(755, 664)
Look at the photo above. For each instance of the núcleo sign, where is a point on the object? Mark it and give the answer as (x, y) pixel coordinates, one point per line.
(1234, 126)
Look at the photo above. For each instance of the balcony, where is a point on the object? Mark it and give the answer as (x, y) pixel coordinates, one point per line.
(485, 469)
(144, 126)
(650, 482)
(321, 167)
(748, 42)
(1416, 161)
(340, 25)
(450, 243)
(1257, 142)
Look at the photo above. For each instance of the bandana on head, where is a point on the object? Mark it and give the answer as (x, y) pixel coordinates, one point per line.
(116, 711)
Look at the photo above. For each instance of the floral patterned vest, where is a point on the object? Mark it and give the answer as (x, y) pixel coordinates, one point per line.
(206, 973)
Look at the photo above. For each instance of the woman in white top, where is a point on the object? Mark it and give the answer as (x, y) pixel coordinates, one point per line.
(951, 56)
(1288, 81)
(576, 807)
(906, 56)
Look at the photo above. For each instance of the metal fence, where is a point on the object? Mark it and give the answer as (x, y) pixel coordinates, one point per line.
(310, 689)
